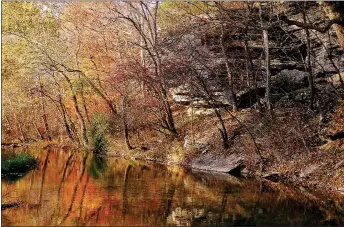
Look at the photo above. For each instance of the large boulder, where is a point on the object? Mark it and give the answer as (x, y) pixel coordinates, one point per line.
(232, 163)
(289, 80)
(284, 82)
(326, 98)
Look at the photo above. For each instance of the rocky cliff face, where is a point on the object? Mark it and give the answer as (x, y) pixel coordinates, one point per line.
(287, 46)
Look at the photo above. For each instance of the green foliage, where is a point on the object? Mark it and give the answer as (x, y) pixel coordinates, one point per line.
(14, 164)
(97, 133)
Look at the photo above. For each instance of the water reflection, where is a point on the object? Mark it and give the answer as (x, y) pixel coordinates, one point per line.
(97, 166)
(71, 188)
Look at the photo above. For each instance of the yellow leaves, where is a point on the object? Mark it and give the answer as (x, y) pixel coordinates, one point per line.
(338, 178)
(18, 17)
(193, 7)
(27, 18)
(28, 5)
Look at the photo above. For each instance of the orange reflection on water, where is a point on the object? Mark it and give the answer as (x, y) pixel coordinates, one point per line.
(73, 189)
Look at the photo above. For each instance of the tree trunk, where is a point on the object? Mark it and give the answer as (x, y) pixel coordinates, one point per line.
(125, 123)
(248, 63)
(10, 131)
(65, 122)
(38, 131)
(19, 124)
(249, 71)
(77, 111)
(44, 114)
(231, 97)
(84, 104)
(166, 105)
(81, 119)
(222, 129)
(308, 62)
(24, 138)
(168, 115)
(248, 60)
(267, 62)
(210, 101)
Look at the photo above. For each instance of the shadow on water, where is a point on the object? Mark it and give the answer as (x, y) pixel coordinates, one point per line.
(12, 178)
(74, 189)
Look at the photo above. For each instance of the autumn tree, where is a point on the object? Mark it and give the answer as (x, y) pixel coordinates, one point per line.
(142, 18)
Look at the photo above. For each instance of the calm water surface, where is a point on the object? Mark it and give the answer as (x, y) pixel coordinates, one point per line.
(73, 189)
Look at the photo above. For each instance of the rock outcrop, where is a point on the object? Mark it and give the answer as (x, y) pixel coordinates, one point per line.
(233, 163)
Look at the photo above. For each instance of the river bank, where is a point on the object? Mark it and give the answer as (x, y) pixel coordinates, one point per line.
(312, 177)
(296, 145)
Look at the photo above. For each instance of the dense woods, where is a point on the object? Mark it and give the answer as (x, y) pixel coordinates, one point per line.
(176, 78)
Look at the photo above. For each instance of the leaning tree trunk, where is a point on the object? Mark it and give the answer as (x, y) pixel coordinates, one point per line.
(23, 135)
(211, 101)
(222, 129)
(38, 131)
(166, 104)
(8, 123)
(81, 120)
(77, 111)
(65, 121)
(168, 114)
(84, 104)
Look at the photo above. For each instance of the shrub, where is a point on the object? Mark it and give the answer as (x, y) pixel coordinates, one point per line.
(97, 133)
(17, 163)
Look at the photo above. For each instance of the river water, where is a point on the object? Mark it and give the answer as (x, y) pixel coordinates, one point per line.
(73, 189)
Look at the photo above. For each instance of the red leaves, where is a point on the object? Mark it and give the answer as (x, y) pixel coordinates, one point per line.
(288, 190)
(151, 102)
